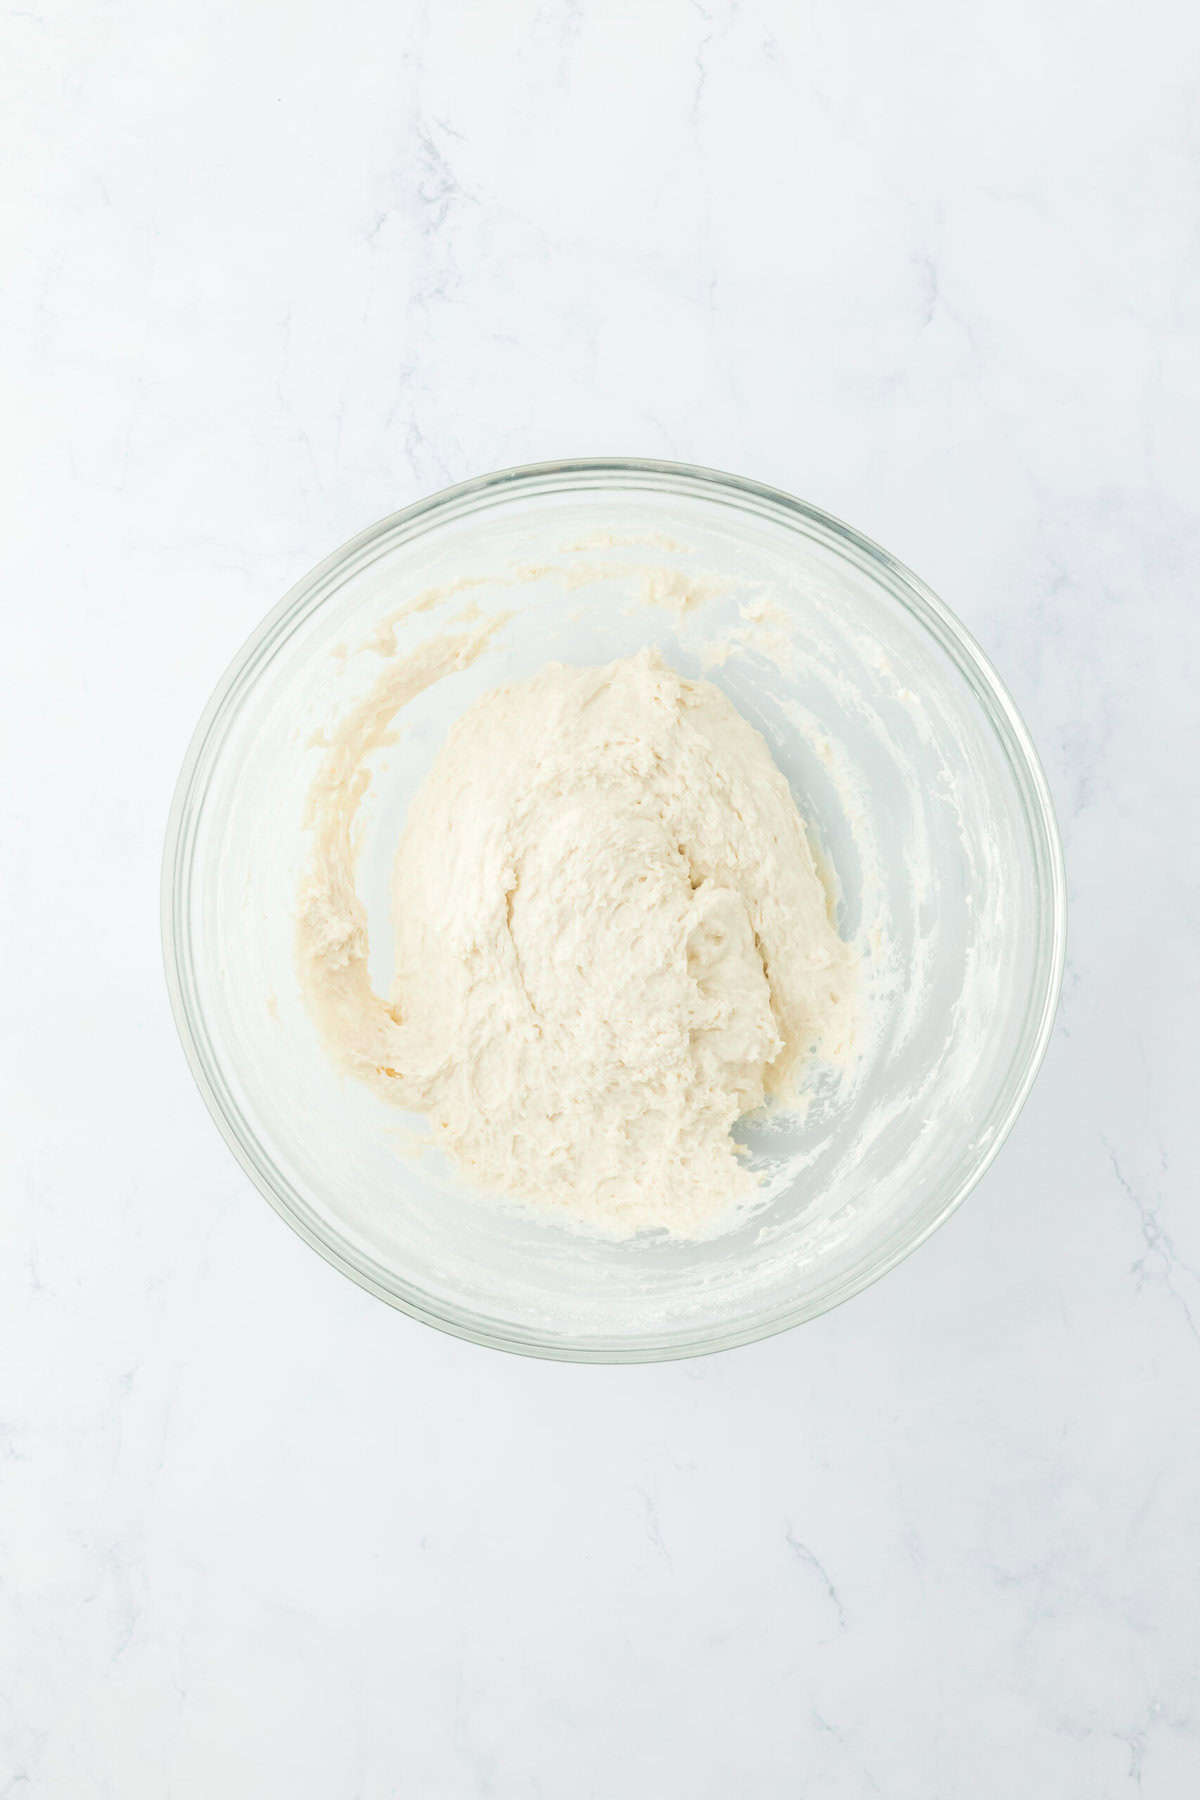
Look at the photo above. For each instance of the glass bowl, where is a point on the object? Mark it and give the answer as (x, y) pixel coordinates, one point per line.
(907, 758)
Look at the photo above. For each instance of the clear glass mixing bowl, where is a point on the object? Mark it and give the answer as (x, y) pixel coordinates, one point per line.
(906, 755)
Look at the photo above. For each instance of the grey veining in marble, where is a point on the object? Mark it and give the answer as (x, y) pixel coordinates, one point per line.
(272, 271)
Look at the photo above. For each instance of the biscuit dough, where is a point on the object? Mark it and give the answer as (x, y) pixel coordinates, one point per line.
(611, 942)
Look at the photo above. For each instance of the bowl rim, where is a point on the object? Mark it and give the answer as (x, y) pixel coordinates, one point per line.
(585, 474)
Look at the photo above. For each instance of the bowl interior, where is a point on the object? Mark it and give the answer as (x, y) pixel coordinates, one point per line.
(905, 757)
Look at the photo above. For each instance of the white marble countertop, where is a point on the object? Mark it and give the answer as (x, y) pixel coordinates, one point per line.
(275, 270)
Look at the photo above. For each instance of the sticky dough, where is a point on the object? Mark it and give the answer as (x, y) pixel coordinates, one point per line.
(611, 942)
